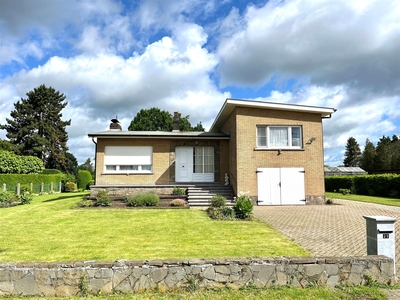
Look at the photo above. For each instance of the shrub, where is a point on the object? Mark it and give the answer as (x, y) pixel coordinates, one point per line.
(218, 201)
(178, 191)
(51, 171)
(344, 191)
(146, 199)
(11, 163)
(221, 213)
(85, 203)
(178, 202)
(8, 199)
(243, 207)
(84, 178)
(102, 198)
(25, 194)
(70, 187)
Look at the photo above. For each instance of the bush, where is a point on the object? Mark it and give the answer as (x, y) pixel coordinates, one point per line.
(178, 202)
(70, 187)
(178, 191)
(51, 171)
(85, 203)
(218, 201)
(25, 194)
(243, 207)
(8, 199)
(102, 198)
(11, 163)
(344, 191)
(84, 178)
(221, 213)
(147, 199)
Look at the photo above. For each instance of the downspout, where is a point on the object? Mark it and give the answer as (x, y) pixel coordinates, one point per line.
(95, 160)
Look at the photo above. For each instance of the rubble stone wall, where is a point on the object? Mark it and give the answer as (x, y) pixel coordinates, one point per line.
(71, 278)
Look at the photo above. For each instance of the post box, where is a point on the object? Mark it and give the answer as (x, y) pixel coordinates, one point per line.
(381, 236)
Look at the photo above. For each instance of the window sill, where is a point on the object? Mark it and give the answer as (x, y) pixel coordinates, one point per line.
(127, 173)
(279, 149)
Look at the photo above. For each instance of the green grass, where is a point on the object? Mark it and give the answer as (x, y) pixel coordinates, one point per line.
(354, 292)
(361, 198)
(51, 228)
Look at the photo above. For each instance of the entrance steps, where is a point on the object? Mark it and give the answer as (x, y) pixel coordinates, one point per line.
(200, 195)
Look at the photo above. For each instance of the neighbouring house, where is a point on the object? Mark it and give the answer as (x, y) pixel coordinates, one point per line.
(272, 151)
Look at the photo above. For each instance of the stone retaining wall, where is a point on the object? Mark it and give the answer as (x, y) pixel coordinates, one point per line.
(68, 278)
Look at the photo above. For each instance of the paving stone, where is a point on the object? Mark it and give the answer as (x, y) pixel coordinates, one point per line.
(329, 230)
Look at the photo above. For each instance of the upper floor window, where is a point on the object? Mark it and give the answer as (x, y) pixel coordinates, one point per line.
(128, 159)
(277, 137)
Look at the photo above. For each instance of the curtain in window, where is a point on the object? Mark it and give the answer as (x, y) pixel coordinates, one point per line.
(198, 159)
(262, 136)
(208, 160)
(278, 137)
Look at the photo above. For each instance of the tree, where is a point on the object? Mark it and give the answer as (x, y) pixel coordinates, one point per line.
(352, 154)
(88, 166)
(368, 157)
(154, 119)
(36, 127)
(383, 153)
(70, 167)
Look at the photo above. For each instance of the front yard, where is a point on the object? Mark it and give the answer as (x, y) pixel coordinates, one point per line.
(51, 228)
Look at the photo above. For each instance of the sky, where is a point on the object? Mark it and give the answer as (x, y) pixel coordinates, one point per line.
(113, 58)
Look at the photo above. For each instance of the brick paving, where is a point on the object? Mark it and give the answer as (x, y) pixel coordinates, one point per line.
(329, 230)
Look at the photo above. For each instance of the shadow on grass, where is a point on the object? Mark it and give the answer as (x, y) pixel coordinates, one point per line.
(65, 196)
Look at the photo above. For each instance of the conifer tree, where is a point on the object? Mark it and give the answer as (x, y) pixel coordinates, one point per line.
(352, 154)
(36, 128)
(368, 157)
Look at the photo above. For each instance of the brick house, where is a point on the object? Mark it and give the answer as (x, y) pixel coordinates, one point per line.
(273, 151)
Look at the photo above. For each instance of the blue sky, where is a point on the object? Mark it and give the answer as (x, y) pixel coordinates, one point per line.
(116, 57)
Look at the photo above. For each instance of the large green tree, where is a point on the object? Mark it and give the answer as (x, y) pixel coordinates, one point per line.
(154, 119)
(368, 156)
(352, 154)
(36, 127)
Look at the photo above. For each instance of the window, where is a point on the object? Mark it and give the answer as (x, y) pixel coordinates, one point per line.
(128, 159)
(203, 160)
(277, 137)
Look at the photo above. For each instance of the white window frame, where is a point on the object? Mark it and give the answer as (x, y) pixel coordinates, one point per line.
(267, 136)
(128, 159)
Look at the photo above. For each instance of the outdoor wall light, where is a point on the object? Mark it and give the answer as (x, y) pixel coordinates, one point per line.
(311, 140)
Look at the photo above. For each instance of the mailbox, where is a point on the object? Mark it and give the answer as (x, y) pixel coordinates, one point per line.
(380, 236)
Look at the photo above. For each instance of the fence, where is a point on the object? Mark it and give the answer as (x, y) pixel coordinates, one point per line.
(36, 188)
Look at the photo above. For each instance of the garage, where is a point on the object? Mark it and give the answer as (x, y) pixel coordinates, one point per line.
(281, 186)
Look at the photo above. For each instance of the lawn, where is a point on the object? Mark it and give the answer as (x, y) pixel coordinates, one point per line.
(51, 228)
(361, 198)
(316, 292)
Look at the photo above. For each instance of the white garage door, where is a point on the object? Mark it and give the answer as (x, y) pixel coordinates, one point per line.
(281, 186)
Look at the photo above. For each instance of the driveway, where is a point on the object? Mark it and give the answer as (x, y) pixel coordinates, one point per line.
(329, 230)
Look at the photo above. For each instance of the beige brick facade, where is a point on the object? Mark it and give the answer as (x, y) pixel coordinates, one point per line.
(163, 160)
(245, 159)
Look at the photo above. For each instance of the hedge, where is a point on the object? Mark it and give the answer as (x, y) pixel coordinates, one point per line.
(14, 164)
(84, 178)
(382, 185)
(14, 179)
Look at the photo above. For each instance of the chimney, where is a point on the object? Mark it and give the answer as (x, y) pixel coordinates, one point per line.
(175, 124)
(115, 125)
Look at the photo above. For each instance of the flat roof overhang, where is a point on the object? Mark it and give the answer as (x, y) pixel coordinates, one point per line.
(159, 134)
(231, 104)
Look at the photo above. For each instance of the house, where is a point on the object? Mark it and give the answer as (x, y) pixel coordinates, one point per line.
(273, 151)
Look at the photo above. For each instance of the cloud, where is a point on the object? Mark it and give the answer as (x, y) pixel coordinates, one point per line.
(327, 43)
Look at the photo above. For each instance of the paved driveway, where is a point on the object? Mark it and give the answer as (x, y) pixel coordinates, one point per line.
(329, 230)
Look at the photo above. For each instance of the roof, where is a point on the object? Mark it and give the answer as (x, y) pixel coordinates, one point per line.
(159, 134)
(351, 170)
(231, 104)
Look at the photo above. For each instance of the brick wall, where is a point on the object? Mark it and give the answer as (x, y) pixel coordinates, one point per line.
(163, 160)
(241, 124)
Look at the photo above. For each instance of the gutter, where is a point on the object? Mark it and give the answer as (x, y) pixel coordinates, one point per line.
(95, 160)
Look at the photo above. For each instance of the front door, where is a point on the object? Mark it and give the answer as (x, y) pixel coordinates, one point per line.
(194, 164)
